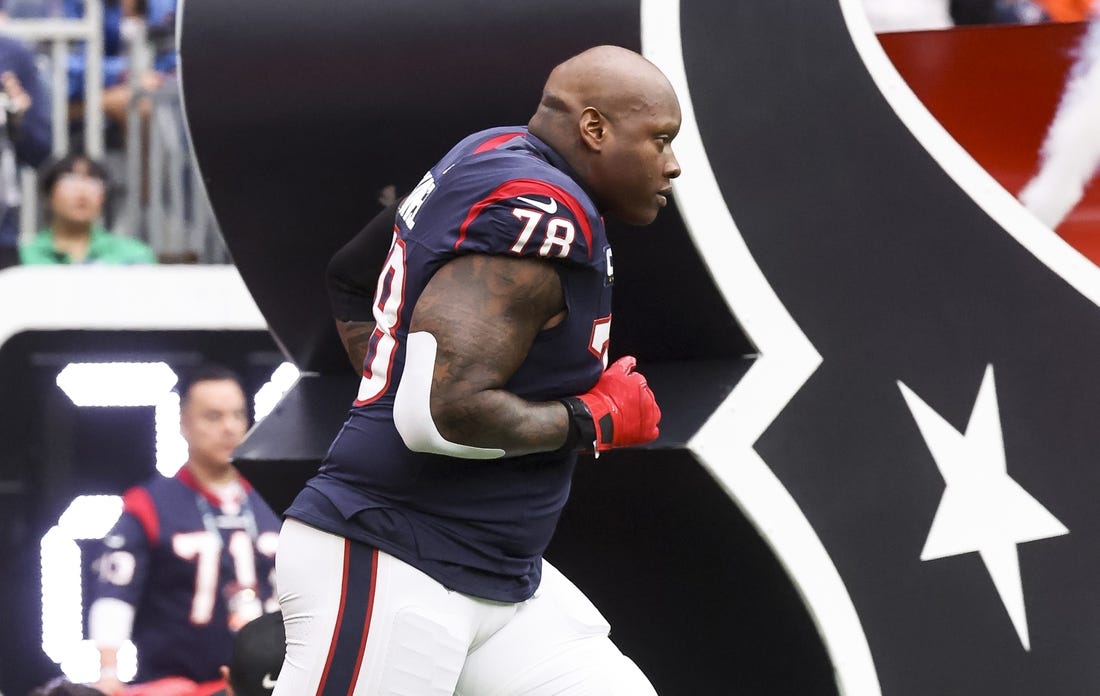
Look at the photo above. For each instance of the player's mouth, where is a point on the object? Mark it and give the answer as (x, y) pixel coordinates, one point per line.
(663, 195)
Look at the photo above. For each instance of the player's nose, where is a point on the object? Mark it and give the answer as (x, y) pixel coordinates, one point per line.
(672, 166)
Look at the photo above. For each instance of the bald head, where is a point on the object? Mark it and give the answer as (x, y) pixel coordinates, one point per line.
(612, 115)
(613, 80)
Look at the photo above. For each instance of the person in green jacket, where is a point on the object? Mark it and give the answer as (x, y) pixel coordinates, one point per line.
(76, 188)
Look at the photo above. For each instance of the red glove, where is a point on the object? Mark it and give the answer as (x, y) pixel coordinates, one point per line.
(619, 411)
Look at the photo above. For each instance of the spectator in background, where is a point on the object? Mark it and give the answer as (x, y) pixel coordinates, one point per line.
(117, 92)
(76, 189)
(25, 135)
(191, 559)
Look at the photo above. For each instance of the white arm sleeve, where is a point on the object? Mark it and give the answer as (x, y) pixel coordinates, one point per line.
(412, 409)
(110, 622)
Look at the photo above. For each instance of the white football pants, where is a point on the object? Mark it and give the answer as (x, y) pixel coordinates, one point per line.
(359, 622)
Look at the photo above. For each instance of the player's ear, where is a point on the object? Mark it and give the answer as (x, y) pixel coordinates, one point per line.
(593, 128)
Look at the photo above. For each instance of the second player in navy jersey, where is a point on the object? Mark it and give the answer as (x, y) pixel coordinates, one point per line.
(197, 564)
(485, 372)
(191, 559)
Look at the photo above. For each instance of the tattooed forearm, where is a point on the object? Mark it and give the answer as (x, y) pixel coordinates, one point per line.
(485, 312)
(355, 335)
(498, 418)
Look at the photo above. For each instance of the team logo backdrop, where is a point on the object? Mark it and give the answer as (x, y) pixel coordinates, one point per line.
(875, 472)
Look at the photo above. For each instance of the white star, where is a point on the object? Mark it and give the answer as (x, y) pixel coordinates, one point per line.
(982, 508)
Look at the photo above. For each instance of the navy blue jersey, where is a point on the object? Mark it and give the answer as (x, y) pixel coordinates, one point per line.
(477, 526)
(181, 556)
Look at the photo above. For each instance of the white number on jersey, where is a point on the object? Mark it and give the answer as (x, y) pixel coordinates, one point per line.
(560, 233)
(601, 337)
(532, 219)
(205, 549)
(388, 299)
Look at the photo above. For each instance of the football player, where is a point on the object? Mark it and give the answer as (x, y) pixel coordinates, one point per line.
(412, 563)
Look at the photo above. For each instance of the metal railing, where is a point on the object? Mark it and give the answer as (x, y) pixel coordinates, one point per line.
(166, 197)
(174, 210)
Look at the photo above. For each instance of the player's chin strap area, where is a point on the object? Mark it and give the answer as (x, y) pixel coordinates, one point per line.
(411, 406)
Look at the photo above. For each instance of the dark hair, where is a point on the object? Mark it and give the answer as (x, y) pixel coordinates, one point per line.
(207, 372)
(68, 164)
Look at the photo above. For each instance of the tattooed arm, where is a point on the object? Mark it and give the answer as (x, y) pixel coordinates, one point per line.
(355, 335)
(484, 313)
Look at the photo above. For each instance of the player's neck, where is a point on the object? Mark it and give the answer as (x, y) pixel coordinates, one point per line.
(209, 476)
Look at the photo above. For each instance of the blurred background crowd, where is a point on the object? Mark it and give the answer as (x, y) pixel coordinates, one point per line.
(96, 78)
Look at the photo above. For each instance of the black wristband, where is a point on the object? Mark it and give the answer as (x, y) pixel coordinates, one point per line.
(582, 429)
